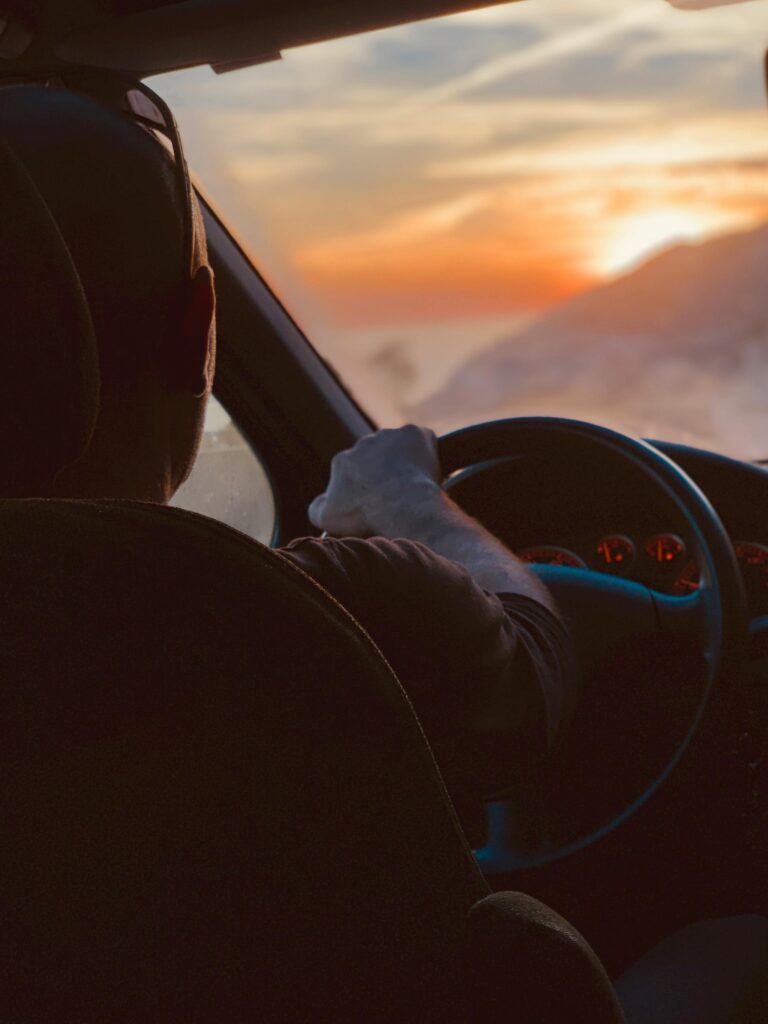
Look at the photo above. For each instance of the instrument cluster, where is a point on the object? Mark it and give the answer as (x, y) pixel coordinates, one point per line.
(661, 560)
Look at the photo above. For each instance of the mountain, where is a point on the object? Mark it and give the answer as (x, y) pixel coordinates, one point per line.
(678, 348)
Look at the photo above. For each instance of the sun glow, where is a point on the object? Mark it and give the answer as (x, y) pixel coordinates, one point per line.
(562, 144)
(634, 238)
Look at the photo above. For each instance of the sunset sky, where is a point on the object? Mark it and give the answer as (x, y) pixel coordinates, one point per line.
(485, 164)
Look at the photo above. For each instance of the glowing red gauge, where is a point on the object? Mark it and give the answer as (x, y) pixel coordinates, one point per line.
(688, 580)
(615, 551)
(549, 554)
(666, 549)
(753, 559)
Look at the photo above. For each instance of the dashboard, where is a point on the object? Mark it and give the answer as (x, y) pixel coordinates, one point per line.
(662, 561)
(608, 517)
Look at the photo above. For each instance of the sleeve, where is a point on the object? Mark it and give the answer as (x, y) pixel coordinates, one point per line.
(489, 676)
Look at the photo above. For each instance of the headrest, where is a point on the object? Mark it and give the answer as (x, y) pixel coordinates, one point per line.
(49, 368)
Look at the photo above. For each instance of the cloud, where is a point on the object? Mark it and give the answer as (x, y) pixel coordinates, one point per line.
(411, 226)
(500, 14)
(549, 49)
(256, 169)
(662, 143)
(542, 13)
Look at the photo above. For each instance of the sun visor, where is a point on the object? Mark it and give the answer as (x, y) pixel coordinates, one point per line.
(49, 370)
(233, 33)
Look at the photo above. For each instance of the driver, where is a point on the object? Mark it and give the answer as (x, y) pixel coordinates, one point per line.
(471, 633)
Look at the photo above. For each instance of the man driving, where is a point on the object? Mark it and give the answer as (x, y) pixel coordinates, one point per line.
(473, 636)
(490, 675)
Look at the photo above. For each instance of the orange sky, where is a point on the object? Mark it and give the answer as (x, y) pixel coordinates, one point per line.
(528, 245)
(496, 161)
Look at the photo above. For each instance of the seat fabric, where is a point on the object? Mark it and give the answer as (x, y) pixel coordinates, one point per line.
(217, 803)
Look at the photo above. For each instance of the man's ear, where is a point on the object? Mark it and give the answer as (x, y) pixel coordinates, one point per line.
(195, 348)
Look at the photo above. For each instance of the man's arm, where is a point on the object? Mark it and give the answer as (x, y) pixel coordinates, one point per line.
(467, 627)
(388, 485)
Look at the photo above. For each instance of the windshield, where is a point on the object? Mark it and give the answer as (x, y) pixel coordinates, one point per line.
(550, 207)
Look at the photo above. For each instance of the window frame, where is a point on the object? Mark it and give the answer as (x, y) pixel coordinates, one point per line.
(289, 403)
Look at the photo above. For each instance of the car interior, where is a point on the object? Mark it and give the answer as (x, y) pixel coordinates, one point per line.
(287, 851)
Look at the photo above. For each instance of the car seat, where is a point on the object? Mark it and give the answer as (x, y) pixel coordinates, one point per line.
(218, 804)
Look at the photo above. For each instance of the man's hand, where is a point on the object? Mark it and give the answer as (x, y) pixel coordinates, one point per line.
(389, 485)
(372, 481)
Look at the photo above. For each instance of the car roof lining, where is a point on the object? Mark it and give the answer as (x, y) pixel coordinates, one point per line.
(145, 37)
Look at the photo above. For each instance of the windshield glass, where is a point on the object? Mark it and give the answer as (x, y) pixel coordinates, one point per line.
(550, 207)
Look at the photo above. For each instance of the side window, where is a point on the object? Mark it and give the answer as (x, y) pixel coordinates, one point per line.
(228, 482)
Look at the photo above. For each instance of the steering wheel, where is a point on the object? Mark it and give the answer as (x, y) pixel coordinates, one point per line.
(610, 618)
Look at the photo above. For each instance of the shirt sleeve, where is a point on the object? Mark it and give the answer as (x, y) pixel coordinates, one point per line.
(457, 650)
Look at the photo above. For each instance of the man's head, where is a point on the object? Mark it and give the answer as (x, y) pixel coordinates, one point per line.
(111, 191)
